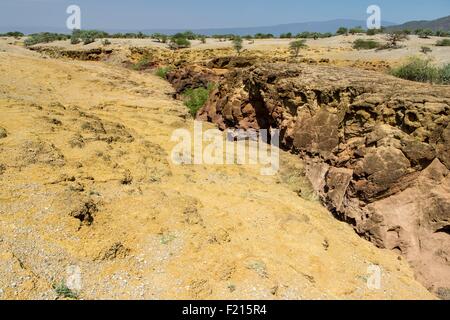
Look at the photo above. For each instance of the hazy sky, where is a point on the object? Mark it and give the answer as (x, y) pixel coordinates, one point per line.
(192, 14)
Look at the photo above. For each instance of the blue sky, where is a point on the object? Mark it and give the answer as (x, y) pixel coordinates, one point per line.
(193, 14)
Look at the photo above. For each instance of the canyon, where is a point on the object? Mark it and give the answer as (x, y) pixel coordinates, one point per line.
(86, 178)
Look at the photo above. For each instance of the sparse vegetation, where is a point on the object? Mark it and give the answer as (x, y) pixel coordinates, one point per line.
(74, 40)
(88, 40)
(264, 36)
(63, 291)
(425, 50)
(128, 35)
(356, 30)
(421, 70)
(195, 99)
(15, 34)
(179, 41)
(372, 32)
(425, 34)
(393, 39)
(362, 44)
(44, 37)
(286, 35)
(87, 36)
(167, 238)
(237, 45)
(416, 69)
(444, 74)
(313, 35)
(106, 42)
(160, 37)
(342, 31)
(145, 62)
(443, 43)
(162, 72)
(296, 45)
(442, 33)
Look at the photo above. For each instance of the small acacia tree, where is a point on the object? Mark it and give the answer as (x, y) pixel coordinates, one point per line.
(296, 45)
(395, 37)
(342, 31)
(237, 44)
(425, 34)
(179, 42)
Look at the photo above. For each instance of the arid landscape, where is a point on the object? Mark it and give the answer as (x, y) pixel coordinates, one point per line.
(88, 186)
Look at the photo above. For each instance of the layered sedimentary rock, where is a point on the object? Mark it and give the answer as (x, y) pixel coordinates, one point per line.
(378, 149)
(93, 54)
(193, 76)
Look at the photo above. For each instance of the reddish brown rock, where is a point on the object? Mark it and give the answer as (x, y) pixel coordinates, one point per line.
(191, 77)
(377, 149)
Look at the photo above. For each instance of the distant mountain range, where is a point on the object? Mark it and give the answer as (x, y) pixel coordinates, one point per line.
(314, 26)
(435, 25)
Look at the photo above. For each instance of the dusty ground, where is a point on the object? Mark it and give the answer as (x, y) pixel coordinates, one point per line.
(337, 48)
(86, 180)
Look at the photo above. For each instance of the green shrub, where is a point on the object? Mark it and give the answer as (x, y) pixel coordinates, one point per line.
(421, 70)
(179, 42)
(63, 291)
(425, 34)
(442, 33)
(342, 31)
(44, 37)
(286, 35)
(74, 40)
(264, 36)
(356, 30)
(443, 43)
(88, 40)
(194, 99)
(444, 74)
(187, 34)
(237, 45)
(362, 44)
(372, 32)
(393, 39)
(416, 69)
(15, 34)
(106, 42)
(144, 63)
(162, 72)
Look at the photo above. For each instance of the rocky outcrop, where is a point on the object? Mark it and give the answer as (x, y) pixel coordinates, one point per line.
(230, 62)
(377, 148)
(93, 54)
(191, 77)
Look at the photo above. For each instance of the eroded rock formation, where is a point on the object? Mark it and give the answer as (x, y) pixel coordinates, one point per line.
(378, 149)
